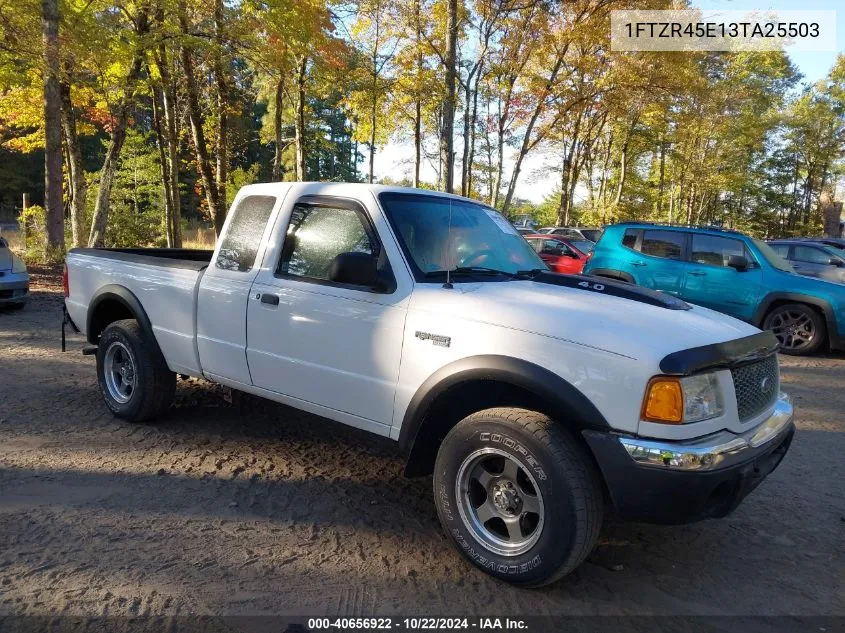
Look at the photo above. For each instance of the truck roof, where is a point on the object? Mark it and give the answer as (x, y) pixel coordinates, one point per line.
(343, 188)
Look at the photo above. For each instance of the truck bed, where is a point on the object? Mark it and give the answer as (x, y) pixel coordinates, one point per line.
(165, 282)
(192, 259)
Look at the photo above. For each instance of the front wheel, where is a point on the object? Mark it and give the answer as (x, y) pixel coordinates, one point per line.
(133, 376)
(518, 495)
(799, 329)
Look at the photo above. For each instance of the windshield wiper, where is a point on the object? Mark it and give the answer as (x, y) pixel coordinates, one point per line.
(470, 270)
(530, 274)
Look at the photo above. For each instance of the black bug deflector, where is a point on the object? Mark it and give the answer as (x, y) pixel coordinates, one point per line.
(725, 355)
(614, 289)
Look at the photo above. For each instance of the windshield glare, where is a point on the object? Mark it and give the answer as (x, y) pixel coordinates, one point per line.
(478, 236)
(772, 257)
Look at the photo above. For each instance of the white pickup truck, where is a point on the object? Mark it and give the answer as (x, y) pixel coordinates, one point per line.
(538, 401)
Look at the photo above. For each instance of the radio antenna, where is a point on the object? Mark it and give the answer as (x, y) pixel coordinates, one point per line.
(448, 285)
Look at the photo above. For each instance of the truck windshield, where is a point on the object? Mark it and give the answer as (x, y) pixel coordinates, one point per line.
(772, 257)
(477, 237)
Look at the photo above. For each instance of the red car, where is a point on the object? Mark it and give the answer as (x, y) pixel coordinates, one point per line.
(559, 254)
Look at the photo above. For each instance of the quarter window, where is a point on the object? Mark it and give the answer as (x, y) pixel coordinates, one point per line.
(240, 245)
(715, 250)
(666, 244)
(630, 238)
(318, 234)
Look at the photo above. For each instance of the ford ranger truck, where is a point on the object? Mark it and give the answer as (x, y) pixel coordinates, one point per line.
(537, 401)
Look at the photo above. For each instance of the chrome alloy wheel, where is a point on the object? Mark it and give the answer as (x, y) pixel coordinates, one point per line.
(499, 502)
(794, 330)
(119, 372)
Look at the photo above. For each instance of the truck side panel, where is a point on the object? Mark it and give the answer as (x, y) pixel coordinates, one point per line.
(165, 292)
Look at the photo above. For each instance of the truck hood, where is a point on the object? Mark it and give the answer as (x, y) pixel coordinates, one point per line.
(5, 259)
(623, 326)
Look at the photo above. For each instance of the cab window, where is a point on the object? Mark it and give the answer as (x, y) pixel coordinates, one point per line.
(240, 244)
(318, 234)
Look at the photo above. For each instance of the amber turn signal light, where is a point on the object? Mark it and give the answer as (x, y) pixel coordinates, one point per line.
(664, 401)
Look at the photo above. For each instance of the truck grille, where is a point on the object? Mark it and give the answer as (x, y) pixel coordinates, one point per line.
(757, 386)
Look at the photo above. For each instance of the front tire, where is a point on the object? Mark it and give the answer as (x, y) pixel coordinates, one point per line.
(518, 496)
(799, 329)
(132, 374)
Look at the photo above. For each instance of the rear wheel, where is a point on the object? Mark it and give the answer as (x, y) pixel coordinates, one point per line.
(517, 495)
(133, 376)
(799, 329)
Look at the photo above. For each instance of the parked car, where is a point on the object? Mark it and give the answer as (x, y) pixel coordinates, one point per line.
(14, 280)
(524, 231)
(729, 272)
(812, 259)
(837, 243)
(560, 255)
(533, 398)
(574, 232)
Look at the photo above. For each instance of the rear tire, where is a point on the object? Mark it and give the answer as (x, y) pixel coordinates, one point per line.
(799, 329)
(132, 374)
(518, 495)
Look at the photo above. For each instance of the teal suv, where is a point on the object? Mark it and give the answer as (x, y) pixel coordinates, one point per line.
(729, 272)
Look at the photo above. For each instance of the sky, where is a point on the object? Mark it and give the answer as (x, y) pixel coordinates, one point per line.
(541, 171)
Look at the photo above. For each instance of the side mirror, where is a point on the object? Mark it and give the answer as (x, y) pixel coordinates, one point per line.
(738, 262)
(357, 269)
(835, 261)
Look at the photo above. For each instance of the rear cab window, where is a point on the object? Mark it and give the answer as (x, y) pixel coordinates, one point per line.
(246, 228)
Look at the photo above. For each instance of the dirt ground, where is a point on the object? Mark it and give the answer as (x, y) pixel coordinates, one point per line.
(255, 509)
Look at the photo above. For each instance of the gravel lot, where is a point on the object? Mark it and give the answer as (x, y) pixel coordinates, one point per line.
(232, 506)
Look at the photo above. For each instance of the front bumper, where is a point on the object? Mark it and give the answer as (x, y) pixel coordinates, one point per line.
(660, 481)
(14, 287)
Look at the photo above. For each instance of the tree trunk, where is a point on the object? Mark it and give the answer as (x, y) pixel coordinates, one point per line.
(447, 155)
(662, 177)
(277, 130)
(418, 97)
(465, 156)
(52, 129)
(118, 136)
(299, 126)
(526, 141)
(222, 145)
(372, 139)
(470, 159)
(171, 136)
(161, 143)
(216, 207)
(623, 165)
(78, 185)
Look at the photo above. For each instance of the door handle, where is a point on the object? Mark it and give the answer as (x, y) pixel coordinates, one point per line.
(269, 299)
(698, 273)
(638, 263)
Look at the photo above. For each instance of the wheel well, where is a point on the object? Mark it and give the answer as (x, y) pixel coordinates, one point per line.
(782, 302)
(105, 313)
(463, 399)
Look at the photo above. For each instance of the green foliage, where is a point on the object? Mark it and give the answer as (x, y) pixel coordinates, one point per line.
(137, 205)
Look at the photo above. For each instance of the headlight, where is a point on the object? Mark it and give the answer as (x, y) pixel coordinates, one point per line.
(17, 265)
(670, 400)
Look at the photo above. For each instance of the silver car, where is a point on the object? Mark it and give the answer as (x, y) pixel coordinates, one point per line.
(14, 280)
(812, 259)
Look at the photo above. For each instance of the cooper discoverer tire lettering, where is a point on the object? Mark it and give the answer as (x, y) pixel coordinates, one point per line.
(518, 495)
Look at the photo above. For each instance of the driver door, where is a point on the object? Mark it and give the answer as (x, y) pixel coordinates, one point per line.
(316, 341)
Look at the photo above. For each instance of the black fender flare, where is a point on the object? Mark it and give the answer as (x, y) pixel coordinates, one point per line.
(123, 296)
(556, 393)
(796, 297)
(610, 273)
